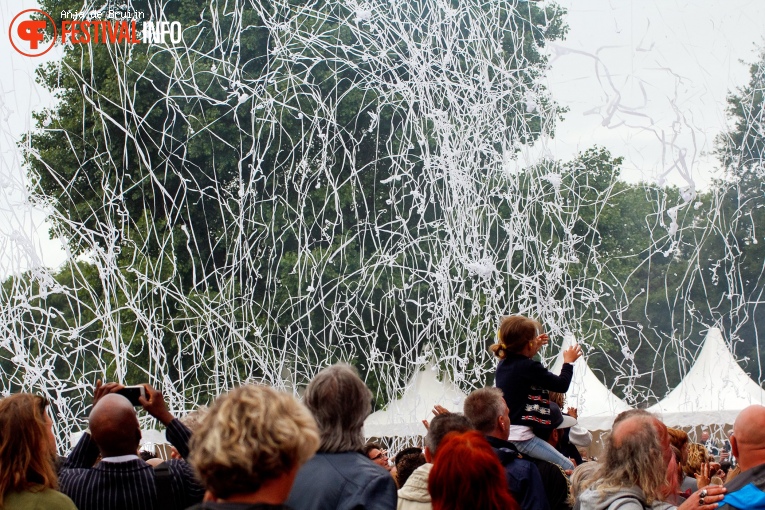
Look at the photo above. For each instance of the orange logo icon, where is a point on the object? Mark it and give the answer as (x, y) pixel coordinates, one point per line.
(27, 34)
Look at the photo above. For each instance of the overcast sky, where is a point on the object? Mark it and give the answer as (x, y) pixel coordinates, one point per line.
(646, 78)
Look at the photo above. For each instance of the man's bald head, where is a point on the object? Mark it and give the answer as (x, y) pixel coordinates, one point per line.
(630, 426)
(642, 416)
(748, 441)
(114, 426)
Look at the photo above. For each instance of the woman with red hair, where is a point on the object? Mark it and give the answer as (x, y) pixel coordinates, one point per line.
(467, 473)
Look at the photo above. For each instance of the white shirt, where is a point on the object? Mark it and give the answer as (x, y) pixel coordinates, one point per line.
(120, 458)
(520, 433)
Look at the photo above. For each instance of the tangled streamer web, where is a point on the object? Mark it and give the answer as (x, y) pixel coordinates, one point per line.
(300, 183)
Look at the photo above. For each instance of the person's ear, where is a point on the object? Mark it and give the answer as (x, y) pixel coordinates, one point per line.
(734, 446)
(428, 456)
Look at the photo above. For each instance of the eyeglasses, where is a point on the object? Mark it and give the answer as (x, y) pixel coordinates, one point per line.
(379, 455)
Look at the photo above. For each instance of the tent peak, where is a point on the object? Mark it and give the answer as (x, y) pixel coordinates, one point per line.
(713, 391)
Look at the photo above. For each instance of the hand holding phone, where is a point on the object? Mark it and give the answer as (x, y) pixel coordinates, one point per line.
(154, 403)
(133, 394)
(103, 388)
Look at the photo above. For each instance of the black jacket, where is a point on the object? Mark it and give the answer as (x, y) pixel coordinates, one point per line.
(525, 384)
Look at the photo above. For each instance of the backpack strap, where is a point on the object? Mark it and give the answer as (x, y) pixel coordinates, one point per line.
(163, 482)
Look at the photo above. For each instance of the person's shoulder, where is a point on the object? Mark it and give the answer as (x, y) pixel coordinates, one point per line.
(521, 467)
(626, 498)
(515, 363)
(238, 506)
(55, 500)
(353, 467)
(347, 479)
(349, 460)
(175, 466)
(547, 469)
(42, 499)
(755, 475)
(75, 473)
(420, 475)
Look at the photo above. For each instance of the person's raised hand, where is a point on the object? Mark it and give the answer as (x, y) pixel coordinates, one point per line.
(437, 409)
(572, 354)
(703, 479)
(102, 389)
(571, 411)
(155, 405)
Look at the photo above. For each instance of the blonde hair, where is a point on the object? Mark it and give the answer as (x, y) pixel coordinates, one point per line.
(515, 331)
(697, 455)
(582, 477)
(251, 435)
(558, 398)
(26, 451)
(632, 459)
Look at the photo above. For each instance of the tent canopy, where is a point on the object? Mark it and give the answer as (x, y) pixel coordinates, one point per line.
(403, 417)
(596, 404)
(713, 391)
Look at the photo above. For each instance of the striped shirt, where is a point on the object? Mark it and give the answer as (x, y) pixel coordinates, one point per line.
(128, 485)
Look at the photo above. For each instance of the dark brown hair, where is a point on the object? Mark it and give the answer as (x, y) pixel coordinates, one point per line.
(26, 452)
(515, 331)
(406, 466)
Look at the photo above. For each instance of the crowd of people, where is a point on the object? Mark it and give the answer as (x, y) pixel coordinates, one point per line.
(512, 447)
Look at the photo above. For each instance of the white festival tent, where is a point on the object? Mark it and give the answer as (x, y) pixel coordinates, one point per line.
(403, 417)
(596, 405)
(713, 391)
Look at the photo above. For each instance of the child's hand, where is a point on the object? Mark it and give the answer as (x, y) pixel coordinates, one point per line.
(542, 340)
(572, 354)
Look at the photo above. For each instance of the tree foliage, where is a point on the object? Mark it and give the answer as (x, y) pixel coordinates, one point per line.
(242, 195)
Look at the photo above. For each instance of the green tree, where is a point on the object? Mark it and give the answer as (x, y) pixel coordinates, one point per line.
(734, 251)
(225, 185)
